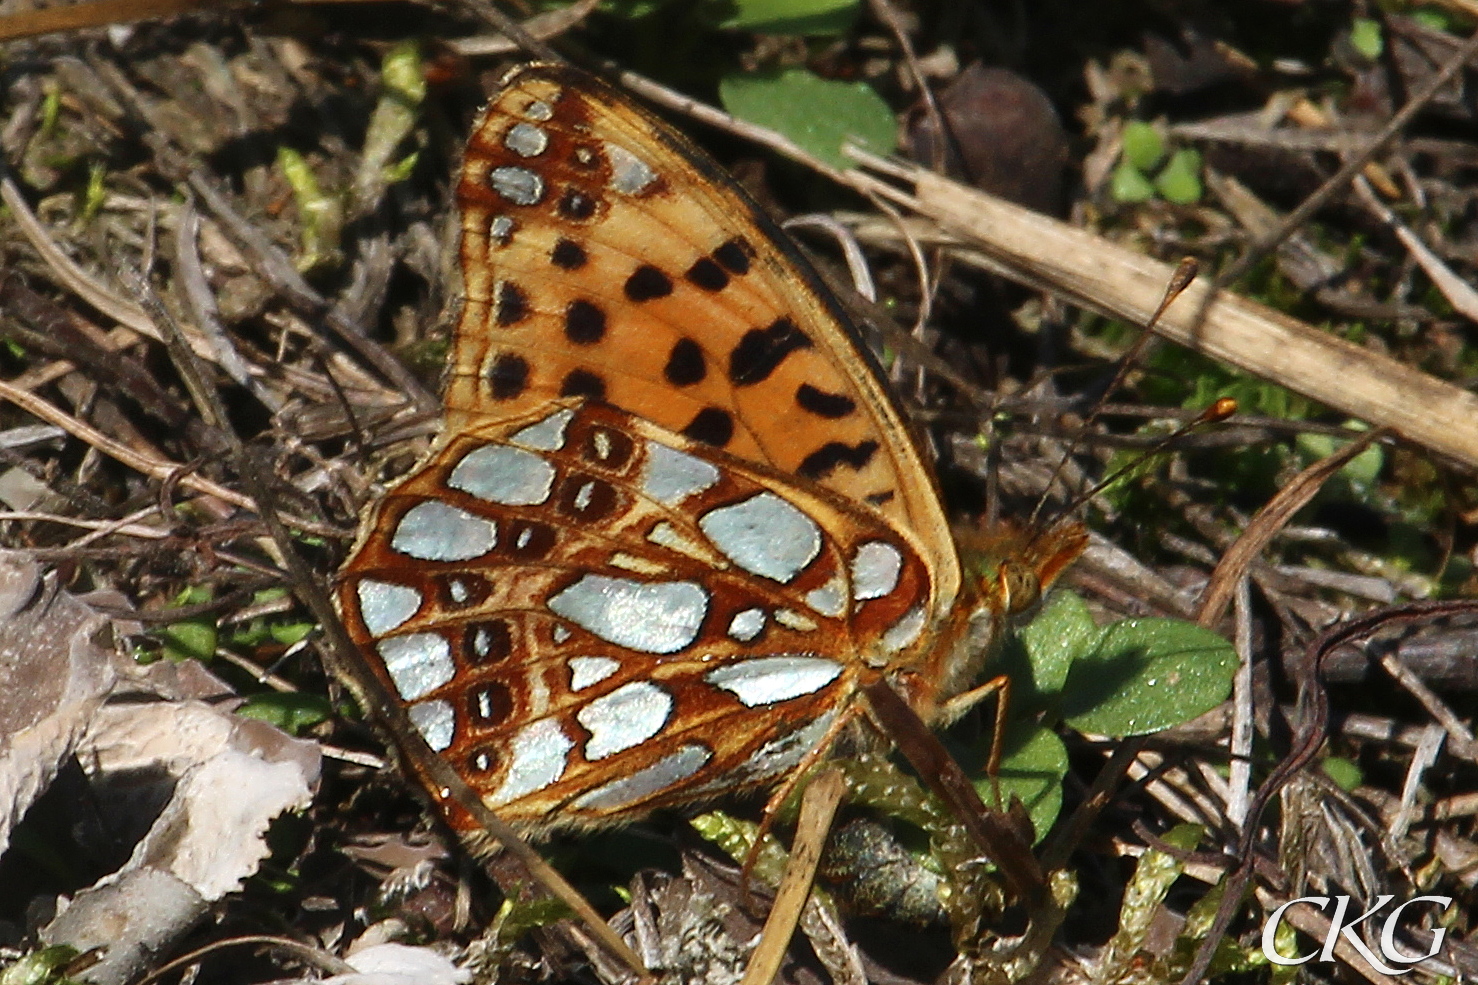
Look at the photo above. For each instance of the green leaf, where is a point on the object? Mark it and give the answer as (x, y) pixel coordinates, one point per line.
(818, 114)
(1365, 37)
(1146, 675)
(1038, 660)
(1345, 773)
(1032, 771)
(794, 17)
(515, 919)
(1361, 471)
(288, 633)
(1144, 147)
(1180, 182)
(1129, 184)
(293, 712)
(191, 639)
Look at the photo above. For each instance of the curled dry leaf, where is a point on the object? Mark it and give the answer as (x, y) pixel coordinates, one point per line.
(221, 779)
(53, 680)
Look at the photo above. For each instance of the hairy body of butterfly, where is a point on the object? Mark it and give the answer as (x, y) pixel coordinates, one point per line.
(672, 523)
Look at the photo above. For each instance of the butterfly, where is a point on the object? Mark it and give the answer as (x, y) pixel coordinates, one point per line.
(673, 522)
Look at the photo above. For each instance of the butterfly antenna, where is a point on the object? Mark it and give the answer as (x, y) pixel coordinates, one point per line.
(1220, 409)
(1184, 274)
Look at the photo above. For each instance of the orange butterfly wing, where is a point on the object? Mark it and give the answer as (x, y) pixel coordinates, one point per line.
(605, 257)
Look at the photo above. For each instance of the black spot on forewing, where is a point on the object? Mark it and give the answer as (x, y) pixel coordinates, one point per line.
(511, 306)
(647, 283)
(568, 255)
(711, 426)
(583, 383)
(707, 275)
(761, 351)
(823, 404)
(585, 323)
(508, 376)
(734, 256)
(685, 364)
(826, 459)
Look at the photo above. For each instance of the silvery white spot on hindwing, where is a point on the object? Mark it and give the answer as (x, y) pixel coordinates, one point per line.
(666, 535)
(457, 589)
(628, 716)
(384, 605)
(545, 435)
(875, 569)
(500, 230)
(830, 599)
(653, 617)
(559, 633)
(671, 769)
(907, 629)
(629, 173)
(539, 752)
(481, 641)
(526, 140)
(437, 531)
(671, 476)
(780, 755)
(418, 664)
(517, 185)
(602, 441)
(765, 535)
(500, 474)
(791, 619)
(747, 624)
(766, 680)
(539, 110)
(774, 758)
(588, 671)
(435, 721)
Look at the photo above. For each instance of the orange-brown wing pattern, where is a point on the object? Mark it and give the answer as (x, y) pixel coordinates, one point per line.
(604, 257)
(591, 616)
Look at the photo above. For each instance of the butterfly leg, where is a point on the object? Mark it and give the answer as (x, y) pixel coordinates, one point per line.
(961, 703)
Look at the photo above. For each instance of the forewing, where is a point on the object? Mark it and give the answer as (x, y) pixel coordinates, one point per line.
(605, 257)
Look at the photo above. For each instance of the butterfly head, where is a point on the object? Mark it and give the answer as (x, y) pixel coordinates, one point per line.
(1007, 570)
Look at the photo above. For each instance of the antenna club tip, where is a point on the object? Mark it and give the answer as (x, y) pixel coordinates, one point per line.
(1220, 409)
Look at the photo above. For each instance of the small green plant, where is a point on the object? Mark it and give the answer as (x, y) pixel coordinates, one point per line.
(44, 967)
(1147, 168)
